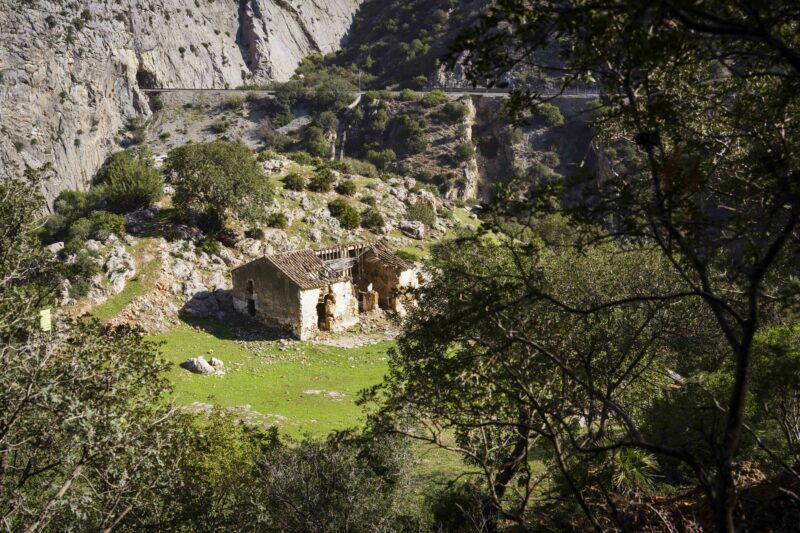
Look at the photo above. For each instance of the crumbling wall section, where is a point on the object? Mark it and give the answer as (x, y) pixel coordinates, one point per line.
(277, 301)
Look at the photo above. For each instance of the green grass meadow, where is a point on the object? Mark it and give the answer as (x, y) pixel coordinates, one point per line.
(274, 382)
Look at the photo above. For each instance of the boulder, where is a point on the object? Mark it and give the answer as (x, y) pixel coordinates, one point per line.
(413, 229)
(198, 365)
(55, 247)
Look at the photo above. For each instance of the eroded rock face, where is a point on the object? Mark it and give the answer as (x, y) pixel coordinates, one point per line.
(73, 74)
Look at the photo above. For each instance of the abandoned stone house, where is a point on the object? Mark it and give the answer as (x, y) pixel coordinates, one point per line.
(308, 291)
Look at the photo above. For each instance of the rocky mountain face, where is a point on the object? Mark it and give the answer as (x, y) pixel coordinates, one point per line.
(72, 73)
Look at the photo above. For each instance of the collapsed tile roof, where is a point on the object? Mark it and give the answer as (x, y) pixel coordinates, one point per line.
(308, 270)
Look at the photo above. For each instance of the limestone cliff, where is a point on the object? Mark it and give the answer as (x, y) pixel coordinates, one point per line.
(71, 73)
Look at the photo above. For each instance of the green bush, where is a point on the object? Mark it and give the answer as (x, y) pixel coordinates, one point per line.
(550, 114)
(68, 207)
(372, 220)
(220, 126)
(278, 220)
(423, 212)
(346, 214)
(464, 152)
(210, 245)
(137, 130)
(361, 168)
(550, 159)
(234, 103)
(322, 181)
(99, 225)
(410, 135)
(130, 181)
(407, 95)
(255, 233)
(327, 120)
(350, 218)
(434, 98)
(346, 187)
(301, 158)
(336, 207)
(217, 180)
(315, 142)
(294, 182)
(369, 200)
(381, 159)
(273, 139)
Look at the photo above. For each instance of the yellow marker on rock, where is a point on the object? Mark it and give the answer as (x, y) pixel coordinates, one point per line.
(46, 320)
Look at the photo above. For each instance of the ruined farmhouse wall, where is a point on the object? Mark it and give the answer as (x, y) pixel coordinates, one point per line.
(309, 319)
(383, 280)
(277, 298)
(346, 312)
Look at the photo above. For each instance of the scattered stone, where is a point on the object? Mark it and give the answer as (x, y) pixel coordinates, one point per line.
(120, 267)
(55, 247)
(198, 365)
(413, 229)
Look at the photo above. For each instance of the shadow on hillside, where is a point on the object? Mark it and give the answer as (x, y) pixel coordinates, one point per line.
(235, 327)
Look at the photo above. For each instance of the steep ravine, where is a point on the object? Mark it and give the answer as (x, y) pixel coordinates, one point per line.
(71, 73)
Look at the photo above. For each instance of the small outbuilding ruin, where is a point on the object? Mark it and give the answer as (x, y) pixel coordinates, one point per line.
(309, 291)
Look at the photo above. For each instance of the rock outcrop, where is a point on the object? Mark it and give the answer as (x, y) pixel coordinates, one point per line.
(72, 73)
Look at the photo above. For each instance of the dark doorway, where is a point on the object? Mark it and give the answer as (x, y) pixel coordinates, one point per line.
(251, 300)
(321, 315)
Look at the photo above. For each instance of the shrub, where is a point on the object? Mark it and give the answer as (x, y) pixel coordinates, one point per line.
(327, 121)
(434, 98)
(68, 207)
(372, 220)
(315, 142)
(216, 180)
(382, 159)
(409, 132)
(322, 181)
(99, 225)
(346, 187)
(219, 126)
(84, 268)
(464, 152)
(336, 207)
(137, 130)
(234, 103)
(550, 159)
(369, 200)
(278, 220)
(407, 95)
(210, 245)
(404, 254)
(361, 168)
(294, 182)
(255, 233)
(455, 110)
(274, 139)
(157, 103)
(423, 212)
(301, 158)
(550, 114)
(350, 218)
(130, 180)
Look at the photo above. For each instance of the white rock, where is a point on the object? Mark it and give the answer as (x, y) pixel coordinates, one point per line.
(413, 228)
(55, 247)
(198, 365)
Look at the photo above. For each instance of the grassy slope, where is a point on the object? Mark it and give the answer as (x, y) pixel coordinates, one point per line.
(272, 381)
